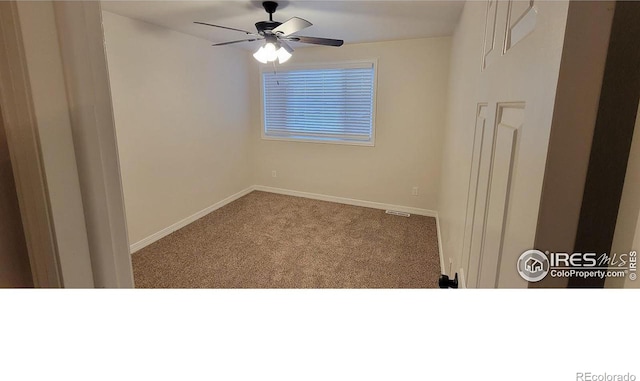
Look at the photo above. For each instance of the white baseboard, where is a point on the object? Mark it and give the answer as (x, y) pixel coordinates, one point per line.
(348, 201)
(180, 224)
(315, 196)
(442, 268)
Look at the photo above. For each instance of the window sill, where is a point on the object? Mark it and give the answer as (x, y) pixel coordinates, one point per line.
(319, 140)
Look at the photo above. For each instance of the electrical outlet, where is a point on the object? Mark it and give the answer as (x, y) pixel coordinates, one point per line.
(274, 174)
(414, 191)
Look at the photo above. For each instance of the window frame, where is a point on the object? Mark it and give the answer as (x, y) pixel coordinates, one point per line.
(319, 66)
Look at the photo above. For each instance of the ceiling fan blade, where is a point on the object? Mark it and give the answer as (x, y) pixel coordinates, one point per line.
(294, 24)
(286, 46)
(224, 27)
(235, 42)
(316, 40)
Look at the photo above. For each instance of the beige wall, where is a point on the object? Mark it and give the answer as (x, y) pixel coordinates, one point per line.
(181, 120)
(410, 118)
(188, 121)
(14, 258)
(466, 51)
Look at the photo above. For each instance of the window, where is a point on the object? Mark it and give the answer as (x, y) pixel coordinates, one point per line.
(330, 104)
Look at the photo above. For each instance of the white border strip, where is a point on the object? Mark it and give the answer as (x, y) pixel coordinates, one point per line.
(184, 222)
(348, 201)
(440, 252)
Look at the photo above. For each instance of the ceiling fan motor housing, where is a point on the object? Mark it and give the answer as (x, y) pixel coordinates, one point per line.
(263, 26)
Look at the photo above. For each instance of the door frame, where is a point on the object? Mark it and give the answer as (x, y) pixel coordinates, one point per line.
(103, 260)
(16, 103)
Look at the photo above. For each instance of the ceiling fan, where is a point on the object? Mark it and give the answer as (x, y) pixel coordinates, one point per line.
(276, 36)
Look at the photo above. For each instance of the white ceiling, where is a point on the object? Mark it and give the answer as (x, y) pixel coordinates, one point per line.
(353, 21)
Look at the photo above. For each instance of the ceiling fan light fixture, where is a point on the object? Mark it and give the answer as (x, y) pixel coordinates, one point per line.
(283, 55)
(266, 53)
(260, 55)
(270, 52)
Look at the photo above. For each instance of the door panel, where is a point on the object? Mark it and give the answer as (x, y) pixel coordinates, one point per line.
(493, 159)
(470, 267)
(489, 51)
(521, 20)
(480, 205)
(509, 120)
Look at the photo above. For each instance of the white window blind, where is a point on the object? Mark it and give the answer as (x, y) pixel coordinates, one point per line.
(333, 104)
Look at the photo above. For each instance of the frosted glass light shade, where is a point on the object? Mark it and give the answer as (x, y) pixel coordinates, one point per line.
(260, 55)
(283, 55)
(269, 53)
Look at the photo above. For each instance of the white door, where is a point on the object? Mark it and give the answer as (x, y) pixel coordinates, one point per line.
(512, 121)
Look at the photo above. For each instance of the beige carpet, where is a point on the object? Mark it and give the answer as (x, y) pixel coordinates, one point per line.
(265, 240)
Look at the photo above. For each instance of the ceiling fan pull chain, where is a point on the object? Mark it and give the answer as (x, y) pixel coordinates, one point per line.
(275, 72)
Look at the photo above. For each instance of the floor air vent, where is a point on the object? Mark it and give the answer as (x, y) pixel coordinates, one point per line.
(397, 213)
